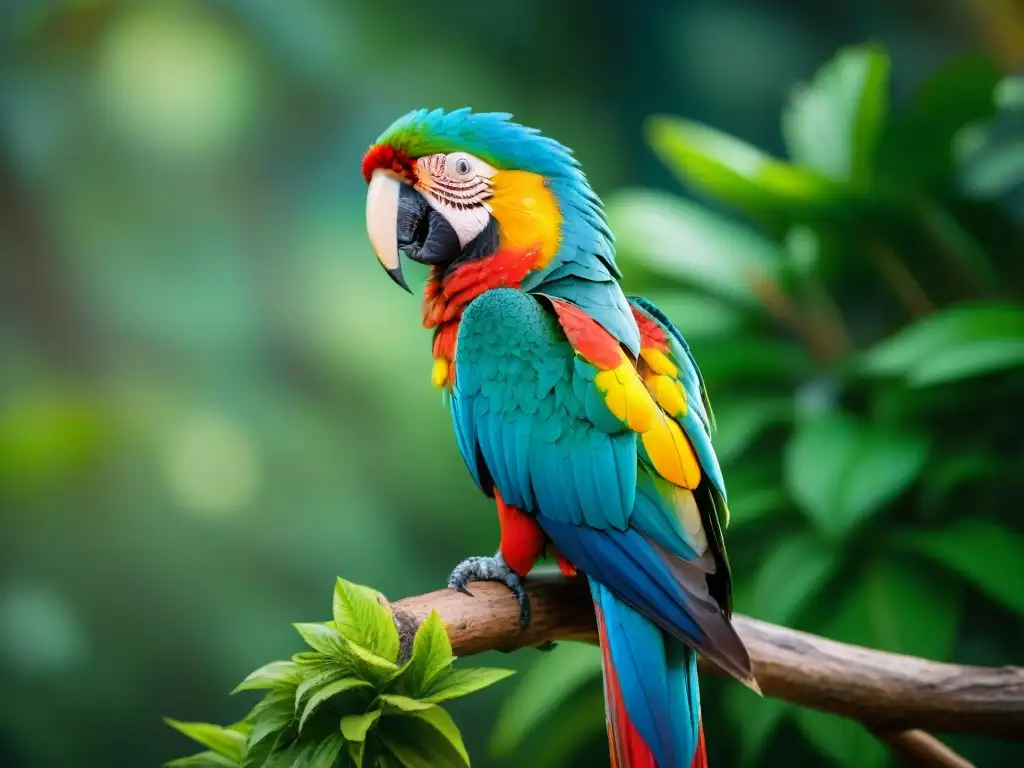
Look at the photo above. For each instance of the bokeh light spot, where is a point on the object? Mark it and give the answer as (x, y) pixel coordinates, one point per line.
(38, 630)
(211, 465)
(176, 83)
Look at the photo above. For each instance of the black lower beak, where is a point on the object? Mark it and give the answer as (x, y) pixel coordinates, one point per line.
(424, 233)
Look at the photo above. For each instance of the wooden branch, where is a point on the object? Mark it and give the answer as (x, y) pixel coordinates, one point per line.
(893, 695)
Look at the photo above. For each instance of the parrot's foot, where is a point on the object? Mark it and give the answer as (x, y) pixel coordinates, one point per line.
(491, 569)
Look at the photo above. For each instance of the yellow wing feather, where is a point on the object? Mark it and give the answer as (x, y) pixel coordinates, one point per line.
(671, 453)
(648, 409)
(626, 396)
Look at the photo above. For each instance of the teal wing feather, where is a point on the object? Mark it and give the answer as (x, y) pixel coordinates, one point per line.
(520, 411)
(531, 423)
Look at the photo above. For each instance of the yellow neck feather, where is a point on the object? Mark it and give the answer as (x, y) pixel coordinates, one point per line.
(527, 214)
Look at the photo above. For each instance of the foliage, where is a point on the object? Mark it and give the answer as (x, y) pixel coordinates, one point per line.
(871, 458)
(350, 699)
(211, 398)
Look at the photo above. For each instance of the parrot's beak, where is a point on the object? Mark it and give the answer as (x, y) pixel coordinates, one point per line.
(399, 218)
(382, 200)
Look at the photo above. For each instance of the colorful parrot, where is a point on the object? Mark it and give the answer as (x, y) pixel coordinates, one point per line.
(580, 411)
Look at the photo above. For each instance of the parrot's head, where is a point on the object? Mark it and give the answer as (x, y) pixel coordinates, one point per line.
(448, 188)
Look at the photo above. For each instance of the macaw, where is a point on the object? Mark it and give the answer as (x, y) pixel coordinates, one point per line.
(580, 411)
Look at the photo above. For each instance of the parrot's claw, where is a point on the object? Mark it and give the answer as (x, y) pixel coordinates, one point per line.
(492, 569)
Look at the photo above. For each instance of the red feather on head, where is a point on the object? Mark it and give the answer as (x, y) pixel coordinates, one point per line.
(384, 156)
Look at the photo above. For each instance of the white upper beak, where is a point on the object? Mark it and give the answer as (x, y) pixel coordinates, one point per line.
(382, 221)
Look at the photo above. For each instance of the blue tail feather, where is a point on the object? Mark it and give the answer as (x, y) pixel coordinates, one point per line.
(657, 675)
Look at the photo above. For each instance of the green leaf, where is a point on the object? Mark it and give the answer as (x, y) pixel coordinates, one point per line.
(791, 575)
(749, 505)
(359, 615)
(844, 741)
(741, 421)
(355, 727)
(551, 681)
(327, 640)
(734, 172)
(272, 675)
(974, 359)
(324, 639)
(431, 657)
(688, 242)
(946, 477)
(895, 607)
(770, 364)
(330, 690)
(885, 465)
(394, 703)
(989, 165)
(268, 723)
(425, 739)
(315, 679)
(326, 752)
(816, 456)
(558, 742)
(356, 750)
(203, 760)
(461, 682)
(375, 667)
(755, 719)
(296, 755)
(279, 700)
(918, 147)
(833, 125)
(224, 741)
(986, 554)
(841, 470)
(976, 338)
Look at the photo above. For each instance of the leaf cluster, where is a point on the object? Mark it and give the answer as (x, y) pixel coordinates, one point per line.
(349, 699)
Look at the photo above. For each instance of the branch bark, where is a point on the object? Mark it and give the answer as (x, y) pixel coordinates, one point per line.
(894, 696)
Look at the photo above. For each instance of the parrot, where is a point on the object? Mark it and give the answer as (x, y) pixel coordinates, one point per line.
(580, 411)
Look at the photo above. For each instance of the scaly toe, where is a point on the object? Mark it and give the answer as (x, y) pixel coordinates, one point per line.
(492, 569)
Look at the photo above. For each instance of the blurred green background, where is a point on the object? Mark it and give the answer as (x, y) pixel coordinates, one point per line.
(212, 401)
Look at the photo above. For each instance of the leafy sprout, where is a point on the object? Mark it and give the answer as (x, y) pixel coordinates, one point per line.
(349, 699)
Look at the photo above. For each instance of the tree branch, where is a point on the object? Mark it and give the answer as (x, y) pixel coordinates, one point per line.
(891, 694)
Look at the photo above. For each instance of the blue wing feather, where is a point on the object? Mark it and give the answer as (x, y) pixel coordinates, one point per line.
(585, 479)
(627, 563)
(653, 515)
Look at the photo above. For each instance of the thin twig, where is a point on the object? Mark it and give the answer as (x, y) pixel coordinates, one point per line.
(824, 337)
(919, 748)
(904, 285)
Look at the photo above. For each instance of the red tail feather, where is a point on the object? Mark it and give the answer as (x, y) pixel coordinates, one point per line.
(628, 749)
(700, 757)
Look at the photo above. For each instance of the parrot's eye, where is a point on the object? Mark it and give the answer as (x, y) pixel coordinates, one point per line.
(459, 166)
